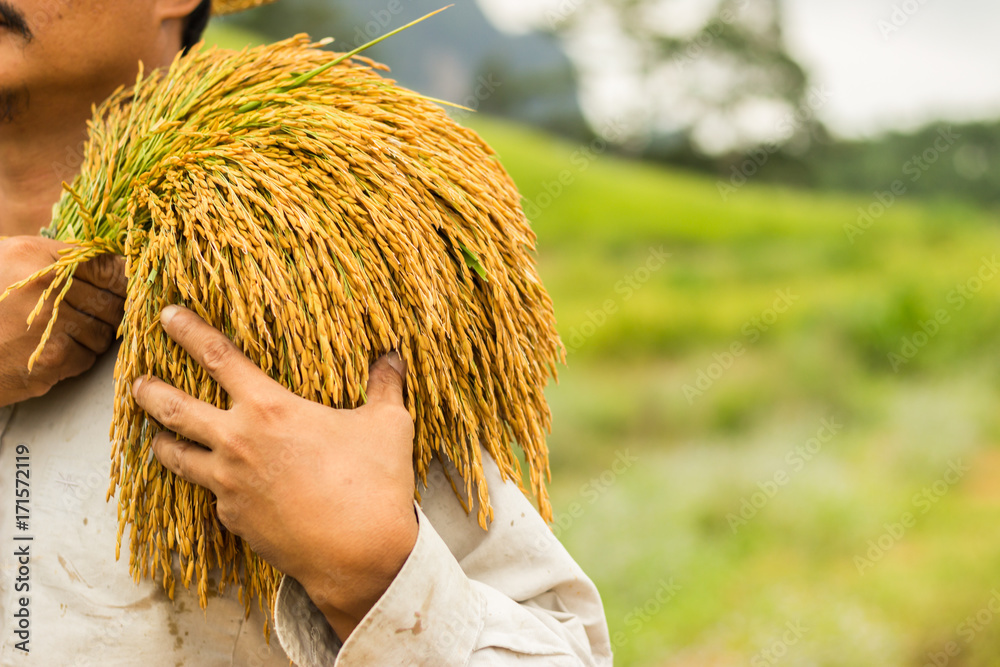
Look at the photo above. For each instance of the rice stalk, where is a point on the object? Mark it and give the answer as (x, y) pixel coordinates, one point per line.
(319, 223)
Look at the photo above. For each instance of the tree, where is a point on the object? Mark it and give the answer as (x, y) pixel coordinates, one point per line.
(715, 74)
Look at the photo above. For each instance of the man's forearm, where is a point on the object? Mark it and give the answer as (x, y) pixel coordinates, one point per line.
(510, 595)
(345, 598)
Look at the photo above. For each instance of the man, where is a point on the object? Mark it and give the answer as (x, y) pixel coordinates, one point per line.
(324, 495)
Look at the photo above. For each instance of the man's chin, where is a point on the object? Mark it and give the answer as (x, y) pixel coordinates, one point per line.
(13, 103)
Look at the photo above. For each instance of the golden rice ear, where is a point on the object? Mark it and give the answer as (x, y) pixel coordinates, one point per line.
(319, 225)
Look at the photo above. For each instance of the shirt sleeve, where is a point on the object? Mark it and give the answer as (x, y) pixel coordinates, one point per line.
(464, 596)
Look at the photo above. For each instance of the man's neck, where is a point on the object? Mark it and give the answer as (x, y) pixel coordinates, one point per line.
(37, 153)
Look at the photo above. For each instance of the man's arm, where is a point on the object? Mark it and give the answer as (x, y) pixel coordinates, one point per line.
(326, 496)
(88, 318)
(510, 595)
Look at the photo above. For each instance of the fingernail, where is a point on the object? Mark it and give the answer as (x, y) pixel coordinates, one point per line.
(397, 363)
(168, 314)
(136, 384)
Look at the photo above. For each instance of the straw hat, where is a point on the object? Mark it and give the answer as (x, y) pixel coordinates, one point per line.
(220, 7)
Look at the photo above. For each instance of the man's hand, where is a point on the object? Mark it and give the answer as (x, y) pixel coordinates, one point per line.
(324, 495)
(87, 324)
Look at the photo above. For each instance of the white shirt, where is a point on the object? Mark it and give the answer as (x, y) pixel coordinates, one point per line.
(464, 596)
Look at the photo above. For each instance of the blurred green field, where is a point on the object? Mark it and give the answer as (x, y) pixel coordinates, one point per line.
(755, 487)
(814, 500)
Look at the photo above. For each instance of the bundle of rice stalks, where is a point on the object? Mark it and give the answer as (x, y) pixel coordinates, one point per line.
(320, 216)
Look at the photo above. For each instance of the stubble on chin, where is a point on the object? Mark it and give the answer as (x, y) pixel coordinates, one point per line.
(13, 104)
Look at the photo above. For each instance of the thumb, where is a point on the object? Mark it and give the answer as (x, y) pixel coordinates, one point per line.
(386, 380)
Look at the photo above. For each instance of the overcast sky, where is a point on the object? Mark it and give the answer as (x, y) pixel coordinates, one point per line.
(887, 63)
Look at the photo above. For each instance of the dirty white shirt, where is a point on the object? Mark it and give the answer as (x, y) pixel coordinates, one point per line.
(464, 596)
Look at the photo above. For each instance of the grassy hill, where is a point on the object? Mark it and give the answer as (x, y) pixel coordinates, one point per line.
(793, 391)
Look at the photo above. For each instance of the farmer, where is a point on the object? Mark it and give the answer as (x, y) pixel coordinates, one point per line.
(370, 578)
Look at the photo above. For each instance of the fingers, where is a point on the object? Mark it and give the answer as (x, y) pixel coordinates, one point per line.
(90, 332)
(386, 380)
(215, 353)
(179, 412)
(106, 272)
(62, 358)
(185, 459)
(101, 304)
